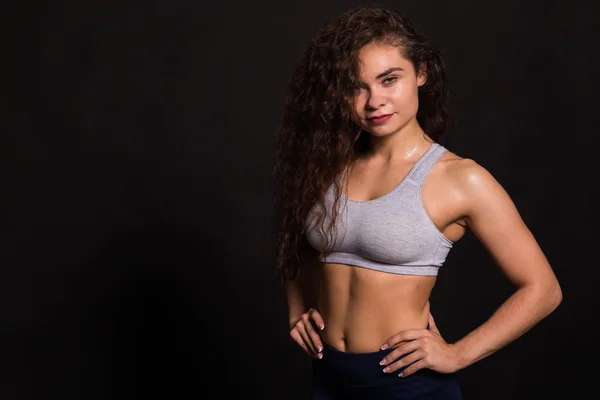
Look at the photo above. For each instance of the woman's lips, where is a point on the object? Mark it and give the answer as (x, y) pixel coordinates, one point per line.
(380, 118)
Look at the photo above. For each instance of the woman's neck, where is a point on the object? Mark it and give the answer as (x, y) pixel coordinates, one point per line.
(401, 145)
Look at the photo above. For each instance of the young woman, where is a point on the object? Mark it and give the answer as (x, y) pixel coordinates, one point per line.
(369, 204)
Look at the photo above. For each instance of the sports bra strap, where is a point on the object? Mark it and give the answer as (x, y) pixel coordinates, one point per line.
(433, 153)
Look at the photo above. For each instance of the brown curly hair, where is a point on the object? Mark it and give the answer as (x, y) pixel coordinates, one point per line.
(317, 136)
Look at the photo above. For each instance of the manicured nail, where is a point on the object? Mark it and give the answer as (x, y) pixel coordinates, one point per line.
(385, 346)
(320, 348)
(320, 356)
(386, 369)
(382, 362)
(321, 327)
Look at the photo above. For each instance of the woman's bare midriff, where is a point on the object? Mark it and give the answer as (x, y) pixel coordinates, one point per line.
(362, 307)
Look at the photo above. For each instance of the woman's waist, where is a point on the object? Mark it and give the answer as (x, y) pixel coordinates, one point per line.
(365, 329)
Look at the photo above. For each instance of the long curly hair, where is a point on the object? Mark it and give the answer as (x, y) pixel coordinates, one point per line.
(317, 136)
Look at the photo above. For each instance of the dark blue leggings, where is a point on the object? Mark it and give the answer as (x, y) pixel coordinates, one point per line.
(340, 376)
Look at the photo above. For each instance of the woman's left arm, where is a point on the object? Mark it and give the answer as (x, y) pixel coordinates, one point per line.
(494, 220)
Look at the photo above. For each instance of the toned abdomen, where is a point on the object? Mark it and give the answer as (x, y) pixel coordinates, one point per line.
(362, 308)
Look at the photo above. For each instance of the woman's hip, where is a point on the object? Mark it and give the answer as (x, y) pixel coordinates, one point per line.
(341, 375)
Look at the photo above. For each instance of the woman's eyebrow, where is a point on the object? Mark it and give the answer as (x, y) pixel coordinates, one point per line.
(389, 71)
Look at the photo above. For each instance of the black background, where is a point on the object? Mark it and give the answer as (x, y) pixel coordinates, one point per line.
(136, 154)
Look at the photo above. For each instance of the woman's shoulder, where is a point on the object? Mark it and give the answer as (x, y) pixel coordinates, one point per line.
(465, 173)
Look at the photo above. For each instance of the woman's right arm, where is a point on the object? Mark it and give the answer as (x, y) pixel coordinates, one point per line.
(303, 318)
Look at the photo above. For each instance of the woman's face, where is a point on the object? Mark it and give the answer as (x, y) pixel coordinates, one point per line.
(387, 99)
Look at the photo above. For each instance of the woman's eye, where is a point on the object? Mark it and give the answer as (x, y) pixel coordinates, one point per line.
(389, 80)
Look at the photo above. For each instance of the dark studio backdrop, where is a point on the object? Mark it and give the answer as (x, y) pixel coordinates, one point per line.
(136, 157)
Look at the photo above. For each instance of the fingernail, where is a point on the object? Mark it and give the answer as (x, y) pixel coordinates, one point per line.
(382, 362)
(320, 349)
(386, 369)
(320, 356)
(385, 346)
(321, 327)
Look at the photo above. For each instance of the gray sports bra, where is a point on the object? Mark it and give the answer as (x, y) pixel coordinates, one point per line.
(392, 233)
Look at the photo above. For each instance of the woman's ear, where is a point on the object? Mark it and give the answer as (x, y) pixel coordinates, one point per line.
(422, 73)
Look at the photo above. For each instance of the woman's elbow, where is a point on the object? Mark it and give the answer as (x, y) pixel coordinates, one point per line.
(557, 295)
(552, 295)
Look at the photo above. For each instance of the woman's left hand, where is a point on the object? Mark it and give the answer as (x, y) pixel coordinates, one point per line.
(422, 348)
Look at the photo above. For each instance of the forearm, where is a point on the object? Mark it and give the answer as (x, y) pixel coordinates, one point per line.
(300, 291)
(297, 301)
(519, 313)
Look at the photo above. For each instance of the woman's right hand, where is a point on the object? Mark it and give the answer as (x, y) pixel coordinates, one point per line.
(304, 332)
